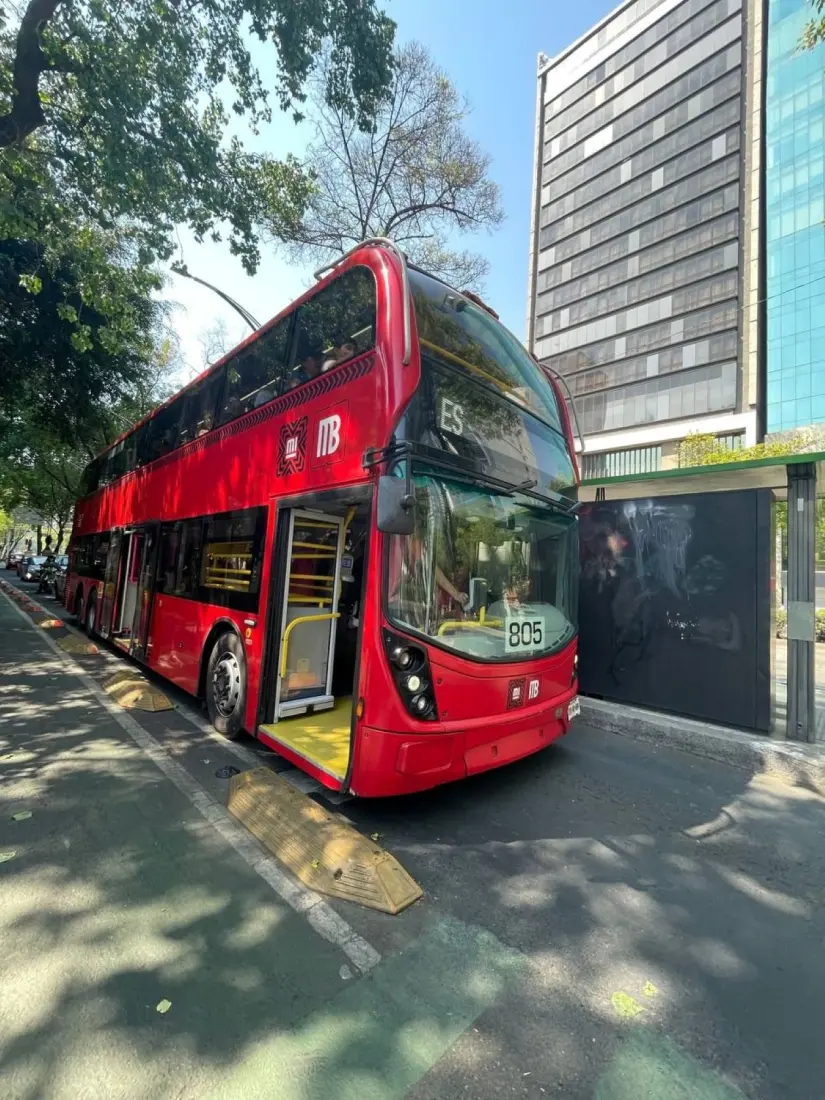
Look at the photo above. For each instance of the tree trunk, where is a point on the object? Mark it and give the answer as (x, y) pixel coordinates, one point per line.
(39, 530)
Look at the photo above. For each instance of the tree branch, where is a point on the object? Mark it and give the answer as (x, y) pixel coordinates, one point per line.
(26, 114)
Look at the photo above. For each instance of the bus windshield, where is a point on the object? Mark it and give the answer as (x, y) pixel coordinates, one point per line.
(452, 328)
(487, 574)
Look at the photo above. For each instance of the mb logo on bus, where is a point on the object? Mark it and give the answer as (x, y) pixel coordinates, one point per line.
(329, 435)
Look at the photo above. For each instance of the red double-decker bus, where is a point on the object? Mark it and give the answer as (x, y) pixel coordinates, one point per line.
(353, 537)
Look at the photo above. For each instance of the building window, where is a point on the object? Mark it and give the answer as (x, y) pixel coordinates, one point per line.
(639, 460)
(733, 441)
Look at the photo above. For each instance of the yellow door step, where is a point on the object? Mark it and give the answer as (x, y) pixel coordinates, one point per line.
(322, 738)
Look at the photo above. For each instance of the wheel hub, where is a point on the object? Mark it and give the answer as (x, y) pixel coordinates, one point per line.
(226, 684)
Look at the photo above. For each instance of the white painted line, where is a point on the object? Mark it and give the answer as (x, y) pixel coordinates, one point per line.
(321, 916)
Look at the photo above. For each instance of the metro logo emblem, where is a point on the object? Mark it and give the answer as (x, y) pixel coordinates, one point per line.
(292, 447)
(328, 443)
(515, 693)
(329, 435)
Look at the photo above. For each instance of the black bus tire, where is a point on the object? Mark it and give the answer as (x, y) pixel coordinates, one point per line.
(225, 687)
(89, 616)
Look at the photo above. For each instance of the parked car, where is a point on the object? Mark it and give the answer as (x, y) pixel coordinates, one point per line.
(30, 569)
(13, 561)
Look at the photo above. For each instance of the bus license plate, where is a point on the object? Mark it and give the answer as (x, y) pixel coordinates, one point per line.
(574, 709)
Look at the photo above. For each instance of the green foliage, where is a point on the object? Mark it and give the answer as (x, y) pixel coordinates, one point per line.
(814, 31)
(80, 345)
(126, 111)
(42, 477)
(705, 450)
(40, 470)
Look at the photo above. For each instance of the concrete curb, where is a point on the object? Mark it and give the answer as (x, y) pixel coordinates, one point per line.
(794, 763)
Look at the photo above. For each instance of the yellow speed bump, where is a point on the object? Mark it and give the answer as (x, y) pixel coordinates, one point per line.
(322, 851)
(134, 692)
(74, 643)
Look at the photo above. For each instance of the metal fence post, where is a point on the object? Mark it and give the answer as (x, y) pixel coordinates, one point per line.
(801, 600)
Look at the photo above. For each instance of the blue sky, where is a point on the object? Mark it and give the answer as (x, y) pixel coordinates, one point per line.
(489, 51)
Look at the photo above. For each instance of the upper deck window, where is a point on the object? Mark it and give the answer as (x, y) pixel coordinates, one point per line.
(199, 407)
(455, 331)
(255, 376)
(334, 326)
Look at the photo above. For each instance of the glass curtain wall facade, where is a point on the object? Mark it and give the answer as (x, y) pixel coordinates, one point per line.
(635, 287)
(795, 208)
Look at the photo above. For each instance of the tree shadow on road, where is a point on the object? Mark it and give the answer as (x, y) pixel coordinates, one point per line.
(649, 888)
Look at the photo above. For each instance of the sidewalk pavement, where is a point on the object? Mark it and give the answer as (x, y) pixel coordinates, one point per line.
(800, 765)
(117, 897)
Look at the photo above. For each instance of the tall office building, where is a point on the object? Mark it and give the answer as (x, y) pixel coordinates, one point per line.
(644, 265)
(795, 209)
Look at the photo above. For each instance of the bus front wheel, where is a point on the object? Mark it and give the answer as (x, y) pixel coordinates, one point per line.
(226, 685)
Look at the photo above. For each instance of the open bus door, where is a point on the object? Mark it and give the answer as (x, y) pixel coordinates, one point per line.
(316, 626)
(110, 585)
(309, 614)
(149, 544)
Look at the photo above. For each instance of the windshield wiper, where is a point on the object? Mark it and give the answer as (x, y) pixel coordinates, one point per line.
(556, 500)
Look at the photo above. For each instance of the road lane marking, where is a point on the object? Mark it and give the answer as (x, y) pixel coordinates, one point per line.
(320, 916)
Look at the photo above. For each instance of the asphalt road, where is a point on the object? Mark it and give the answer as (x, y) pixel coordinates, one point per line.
(605, 920)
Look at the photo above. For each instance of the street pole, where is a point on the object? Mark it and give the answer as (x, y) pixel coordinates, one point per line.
(247, 316)
(801, 600)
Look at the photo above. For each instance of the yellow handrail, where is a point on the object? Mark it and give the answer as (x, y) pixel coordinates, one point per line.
(313, 546)
(296, 622)
(473, 625)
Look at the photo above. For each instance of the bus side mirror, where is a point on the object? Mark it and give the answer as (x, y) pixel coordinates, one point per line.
(395, 506)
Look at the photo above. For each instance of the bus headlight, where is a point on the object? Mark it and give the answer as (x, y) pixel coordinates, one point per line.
(401, 657)
(411, 672)
(422, 705)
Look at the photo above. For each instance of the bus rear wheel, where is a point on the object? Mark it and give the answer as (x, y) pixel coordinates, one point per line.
(226, 685)
(89, 618)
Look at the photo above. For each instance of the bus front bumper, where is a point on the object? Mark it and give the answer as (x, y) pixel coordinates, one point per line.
(390, 763)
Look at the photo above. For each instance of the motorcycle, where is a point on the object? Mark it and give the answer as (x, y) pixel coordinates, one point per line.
(45, 582)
